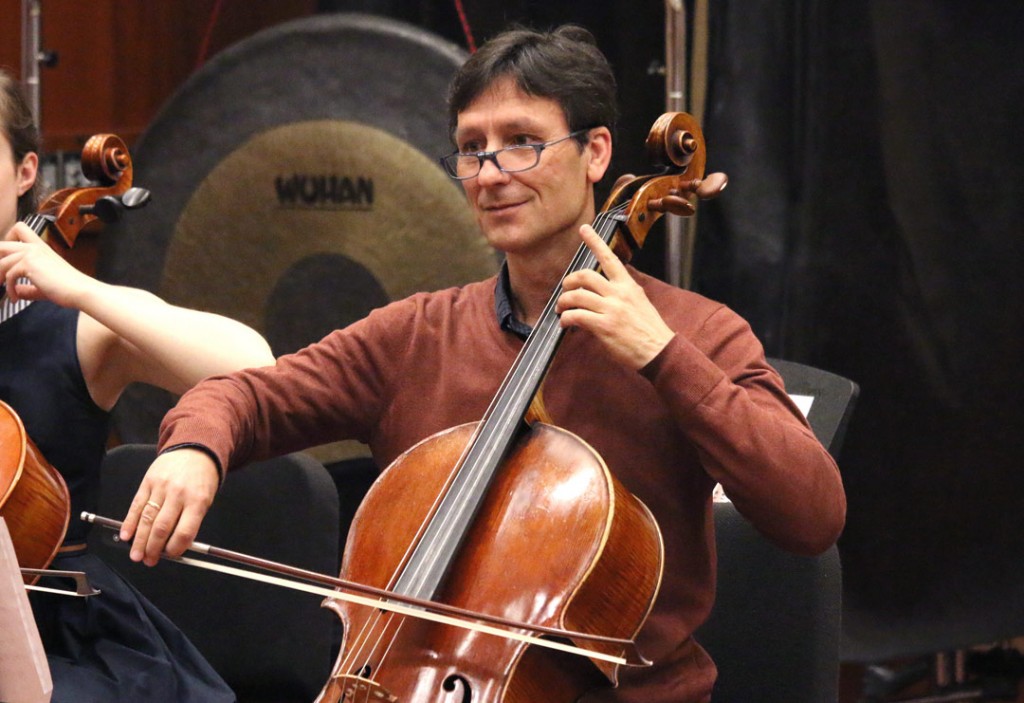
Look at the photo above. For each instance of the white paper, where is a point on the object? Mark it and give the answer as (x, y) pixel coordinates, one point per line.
(24, 672)
(803, 402)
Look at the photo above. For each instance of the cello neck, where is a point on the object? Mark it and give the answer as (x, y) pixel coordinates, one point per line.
(8, 308)
(37, 223)
(527, 372)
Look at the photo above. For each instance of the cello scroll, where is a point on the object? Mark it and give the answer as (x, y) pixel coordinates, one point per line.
(676, 145)
(70, 212)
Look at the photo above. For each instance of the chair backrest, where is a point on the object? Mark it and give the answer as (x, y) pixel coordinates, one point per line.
(268, 643)
(774, 632)
(775, 629)
(832, 399)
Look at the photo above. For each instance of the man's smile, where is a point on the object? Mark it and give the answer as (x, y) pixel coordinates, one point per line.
(499, 208)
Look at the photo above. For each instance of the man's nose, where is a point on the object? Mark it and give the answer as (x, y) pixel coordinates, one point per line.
(490, 173)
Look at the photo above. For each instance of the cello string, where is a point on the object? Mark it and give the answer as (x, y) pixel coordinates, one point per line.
(365, 635)
(387, 650)
(358, 652)
(524, 373)
(8, 309)
(373, 622)
(521, 380)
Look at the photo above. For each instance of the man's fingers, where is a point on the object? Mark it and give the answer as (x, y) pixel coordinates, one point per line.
(131, 520)
(147, 515)
(580, 298)
(186, 530)
(610, 263)
(170, 504)
(161, 528)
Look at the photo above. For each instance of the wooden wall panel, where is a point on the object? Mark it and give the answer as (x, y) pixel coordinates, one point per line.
(10, 34)
(120, 60)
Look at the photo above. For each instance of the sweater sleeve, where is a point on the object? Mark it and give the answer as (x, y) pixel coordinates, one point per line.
(330, 390)
(750, 437)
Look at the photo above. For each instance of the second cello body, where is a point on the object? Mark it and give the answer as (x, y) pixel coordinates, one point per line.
(34, 499)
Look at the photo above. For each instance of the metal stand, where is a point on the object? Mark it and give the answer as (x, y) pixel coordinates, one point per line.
(31, 14)
(33, 58)
(958, 675)
(685, 79)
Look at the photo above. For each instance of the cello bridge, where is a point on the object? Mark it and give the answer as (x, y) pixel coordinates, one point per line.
(356, 688)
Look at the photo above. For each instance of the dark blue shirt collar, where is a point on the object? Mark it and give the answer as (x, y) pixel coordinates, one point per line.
(507, 319)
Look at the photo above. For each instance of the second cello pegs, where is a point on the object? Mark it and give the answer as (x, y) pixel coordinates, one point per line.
(110, 208)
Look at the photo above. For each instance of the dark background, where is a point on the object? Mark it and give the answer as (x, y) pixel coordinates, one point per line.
(872, 227)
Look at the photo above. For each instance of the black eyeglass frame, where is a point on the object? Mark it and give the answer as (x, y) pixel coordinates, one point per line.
(449, 162)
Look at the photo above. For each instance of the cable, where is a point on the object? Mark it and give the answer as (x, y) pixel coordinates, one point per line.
(465, 26)
(204, 48)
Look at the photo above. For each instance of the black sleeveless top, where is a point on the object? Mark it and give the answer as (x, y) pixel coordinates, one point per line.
(115, 647)
(41, 379)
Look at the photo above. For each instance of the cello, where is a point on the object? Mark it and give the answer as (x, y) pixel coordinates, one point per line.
(34, 499)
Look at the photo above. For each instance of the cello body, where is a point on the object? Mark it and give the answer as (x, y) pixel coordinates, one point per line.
(34, 500)
(557, 542)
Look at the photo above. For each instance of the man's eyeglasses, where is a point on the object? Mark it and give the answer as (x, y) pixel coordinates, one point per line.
(511, 159)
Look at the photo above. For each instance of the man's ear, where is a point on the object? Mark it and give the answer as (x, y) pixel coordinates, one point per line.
(28, 169)
(600, 148)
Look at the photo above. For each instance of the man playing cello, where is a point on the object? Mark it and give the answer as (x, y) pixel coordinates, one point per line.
(670, 388)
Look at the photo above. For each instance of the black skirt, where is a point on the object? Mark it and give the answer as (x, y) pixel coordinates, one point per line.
(117, 647)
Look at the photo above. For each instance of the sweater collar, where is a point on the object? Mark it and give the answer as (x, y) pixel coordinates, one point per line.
(507, 319)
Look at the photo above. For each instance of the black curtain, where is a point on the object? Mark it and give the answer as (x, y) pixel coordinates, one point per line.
(874, 229)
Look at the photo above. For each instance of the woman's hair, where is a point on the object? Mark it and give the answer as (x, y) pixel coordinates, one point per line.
(19, 129)
(564, 65)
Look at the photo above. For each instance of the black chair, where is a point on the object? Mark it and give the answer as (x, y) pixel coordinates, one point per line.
(775, 629)
(269, 643)
(833, 399)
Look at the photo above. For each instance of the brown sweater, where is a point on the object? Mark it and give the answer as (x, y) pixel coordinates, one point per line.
(708, 409)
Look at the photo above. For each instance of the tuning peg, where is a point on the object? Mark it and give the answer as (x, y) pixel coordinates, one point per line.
(111, 208)
(711, 186)
(134, 198)
(108, 208)
(673, 204)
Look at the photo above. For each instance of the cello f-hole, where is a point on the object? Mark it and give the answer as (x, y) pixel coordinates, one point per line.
(458, 681)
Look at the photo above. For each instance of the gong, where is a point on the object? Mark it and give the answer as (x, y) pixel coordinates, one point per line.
(296, 187)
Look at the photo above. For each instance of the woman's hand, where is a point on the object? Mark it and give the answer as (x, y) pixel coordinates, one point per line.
(23, 254)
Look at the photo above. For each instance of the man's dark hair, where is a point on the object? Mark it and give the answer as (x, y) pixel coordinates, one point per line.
(18, 126)
(564, 65)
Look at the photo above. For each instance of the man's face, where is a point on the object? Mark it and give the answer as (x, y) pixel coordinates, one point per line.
(530, 211)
